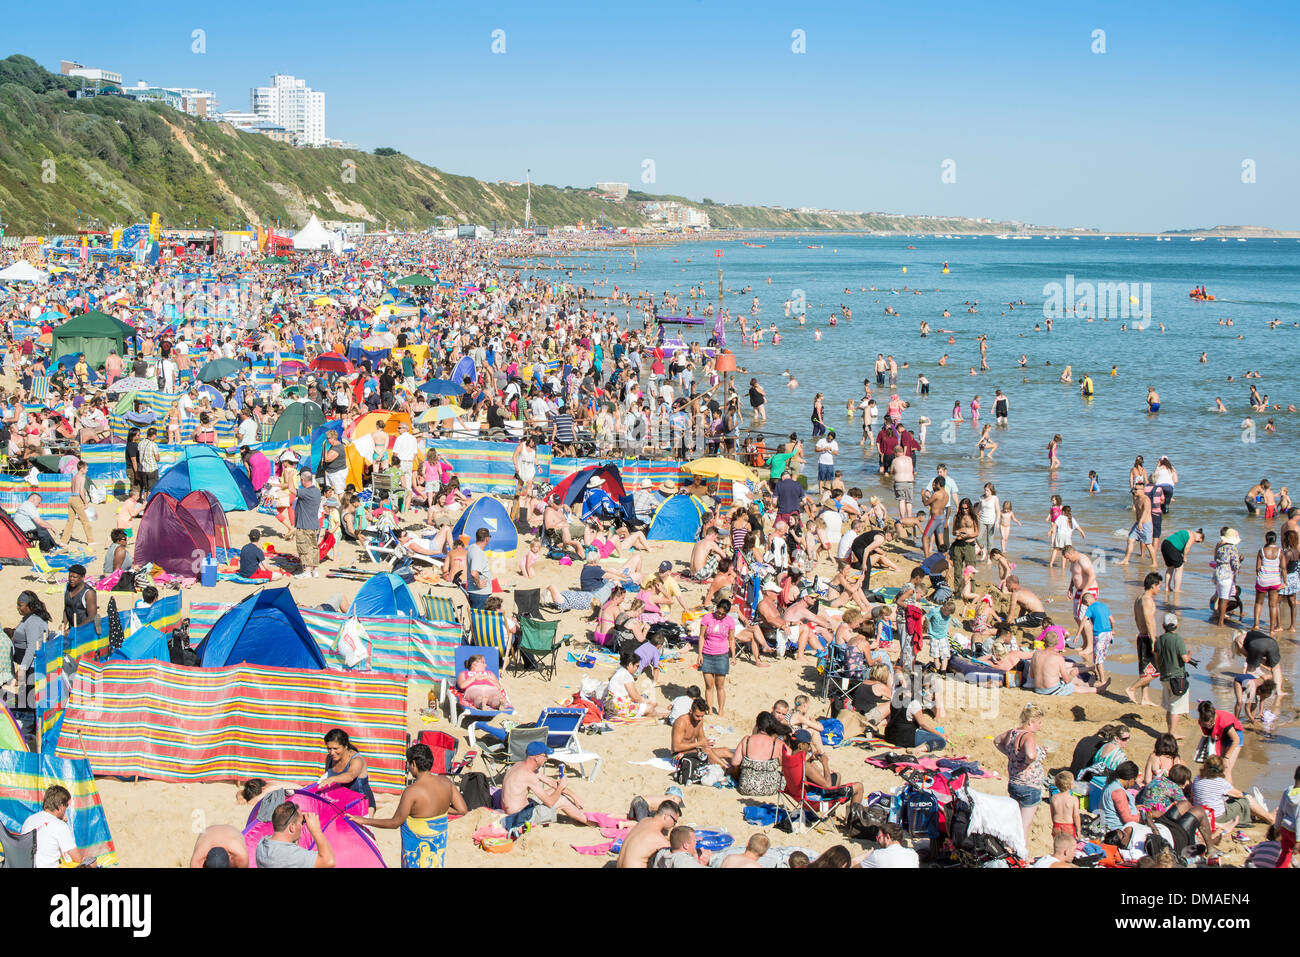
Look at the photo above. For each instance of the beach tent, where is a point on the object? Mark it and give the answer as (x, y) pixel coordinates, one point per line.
(22, 271)
(350, 843)
(263, 629)
(677, 519)
(204, 468)
(316, 236)
(385, 596)
(570, 490)
(93, 334)
(370, 423)
(298, 419)
(146, 643)
(464, 370)
(175, 531)
(13, 543)
(487, 512)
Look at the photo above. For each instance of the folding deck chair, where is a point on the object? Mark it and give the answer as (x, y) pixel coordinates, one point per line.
(457, 709)
(538, 648)
(557, 727)
(41, 568)
(441, 608)
(488, 630)
(796, 799)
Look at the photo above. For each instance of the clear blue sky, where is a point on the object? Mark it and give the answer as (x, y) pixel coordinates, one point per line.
(1149, 135)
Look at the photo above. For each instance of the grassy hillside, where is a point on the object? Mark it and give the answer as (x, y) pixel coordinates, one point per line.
(117, 161)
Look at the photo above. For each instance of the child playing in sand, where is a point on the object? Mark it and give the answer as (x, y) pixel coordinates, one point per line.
(129, 511)
(1004, 567)
(1065, 806)
(528, 559)
(1052, 635)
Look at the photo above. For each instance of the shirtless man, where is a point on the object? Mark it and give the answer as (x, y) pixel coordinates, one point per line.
(648, 836)
(555, 522)
(226, 841)
(428, 796)
(1026, 609)
(800, 618)
(767, 621)
(937, 500)
(706, 554)
(758, 846)
(526, 777)
(1144, 617)
(688, 736)
(1083, 579)
(1052, 674)
(1143, 531)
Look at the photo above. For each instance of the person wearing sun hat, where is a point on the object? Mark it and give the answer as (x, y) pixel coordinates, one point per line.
(1227, 559)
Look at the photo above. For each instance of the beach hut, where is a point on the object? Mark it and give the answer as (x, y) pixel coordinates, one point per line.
(174, 530)
(13, 543)
(487, 512)
(677, 519)
(298, 419)
(93, 334)
(203, 468)
(263, 629)
(385, 596)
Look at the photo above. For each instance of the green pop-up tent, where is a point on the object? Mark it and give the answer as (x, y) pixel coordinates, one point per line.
(92, 334)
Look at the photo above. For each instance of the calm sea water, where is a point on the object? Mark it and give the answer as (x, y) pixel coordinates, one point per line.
(1255, 282)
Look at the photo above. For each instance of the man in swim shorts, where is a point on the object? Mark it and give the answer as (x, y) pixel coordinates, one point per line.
(1083, 578)
(422, 811)
(1144, 616)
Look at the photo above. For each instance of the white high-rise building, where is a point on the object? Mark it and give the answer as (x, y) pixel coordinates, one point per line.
(289, 102)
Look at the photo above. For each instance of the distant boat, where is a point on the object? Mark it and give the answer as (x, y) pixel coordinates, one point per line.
(1197, 239)
(1105, 237)
(1241, 239)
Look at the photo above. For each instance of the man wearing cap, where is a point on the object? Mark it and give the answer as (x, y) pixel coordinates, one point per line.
(306, 524)
(818, 784)
(1171, 660)
(762, 633)
(527, 795)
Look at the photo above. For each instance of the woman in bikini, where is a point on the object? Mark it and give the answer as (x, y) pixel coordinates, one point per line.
(1163, 759)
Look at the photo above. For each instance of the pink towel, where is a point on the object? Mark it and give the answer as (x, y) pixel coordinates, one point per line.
(595, 850)
(607, 820)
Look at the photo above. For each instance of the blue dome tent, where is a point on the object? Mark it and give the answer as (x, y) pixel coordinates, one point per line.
(677, 519)
(385, 596)
(487, 512)
(263, 629)
(146, 643)
(203, 468)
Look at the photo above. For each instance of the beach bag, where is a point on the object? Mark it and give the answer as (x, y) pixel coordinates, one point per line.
(690, 768)
(765, 815)
(351, 645)
(474, 789)
(919, 812)
(864, 822)
(594, 713)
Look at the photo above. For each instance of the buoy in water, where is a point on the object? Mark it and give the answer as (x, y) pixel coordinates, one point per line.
(904, 269)
(1132, 298)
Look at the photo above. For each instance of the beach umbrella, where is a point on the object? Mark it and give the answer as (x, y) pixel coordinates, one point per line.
(323, 301)
(415, 279)
(440, 387)
(275, 260)
(219, 369)
(331, 362)
(133, 384)
(720, 468)
(384, 340)
(68, 361)
(438, 413)
(290, 367)
(294, 392)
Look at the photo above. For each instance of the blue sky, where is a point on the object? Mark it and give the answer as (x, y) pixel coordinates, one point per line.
(1149, 135)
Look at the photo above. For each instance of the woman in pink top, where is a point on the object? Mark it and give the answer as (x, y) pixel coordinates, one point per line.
(717, 648)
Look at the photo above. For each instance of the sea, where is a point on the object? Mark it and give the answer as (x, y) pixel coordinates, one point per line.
(1144, 333)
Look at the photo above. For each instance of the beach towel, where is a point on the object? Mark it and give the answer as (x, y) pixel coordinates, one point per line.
(658, 763)
(424, 841)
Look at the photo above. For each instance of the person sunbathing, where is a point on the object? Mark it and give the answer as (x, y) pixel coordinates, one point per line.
(431, 548)
(629, 540)
(480, 687)
(1003, 658)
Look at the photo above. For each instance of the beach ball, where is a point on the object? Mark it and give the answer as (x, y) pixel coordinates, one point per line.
(1132, 298)
(904, 269)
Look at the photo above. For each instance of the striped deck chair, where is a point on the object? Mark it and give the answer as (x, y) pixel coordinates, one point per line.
(40, 388)
(488, 630)
(441, 608)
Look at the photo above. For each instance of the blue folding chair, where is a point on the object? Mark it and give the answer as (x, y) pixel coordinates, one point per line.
(561, 726)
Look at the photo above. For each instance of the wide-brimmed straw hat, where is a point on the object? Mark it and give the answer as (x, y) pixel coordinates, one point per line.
(1231, 536)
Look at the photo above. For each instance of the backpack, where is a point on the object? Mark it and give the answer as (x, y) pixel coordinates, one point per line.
(864, 822)
(919, 812)
(474, 789)
(690, 768)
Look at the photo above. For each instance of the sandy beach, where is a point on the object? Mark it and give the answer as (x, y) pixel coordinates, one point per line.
(154, 824)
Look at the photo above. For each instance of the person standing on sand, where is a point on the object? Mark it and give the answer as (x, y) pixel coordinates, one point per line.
(421, 811)
(1144, 617)
(1171, 659)
(1143, 531)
